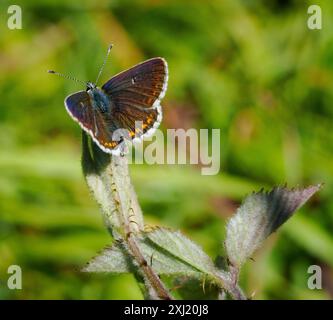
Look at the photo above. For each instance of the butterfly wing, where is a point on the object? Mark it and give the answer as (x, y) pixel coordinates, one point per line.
(92, 121)
(136, 94)
(137, 122)
(143, 85)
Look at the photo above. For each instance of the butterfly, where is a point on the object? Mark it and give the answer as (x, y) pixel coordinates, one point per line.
(126, 107)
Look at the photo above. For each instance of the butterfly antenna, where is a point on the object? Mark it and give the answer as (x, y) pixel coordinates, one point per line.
(104, 62)
(66, 76)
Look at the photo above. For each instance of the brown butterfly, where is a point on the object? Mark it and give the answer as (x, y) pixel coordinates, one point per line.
(126, 107)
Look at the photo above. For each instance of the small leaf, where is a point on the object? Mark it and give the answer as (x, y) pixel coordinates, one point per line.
(112, 259)
(117, 259)
(167, 252)
(261, 214)
(108, 179)
(182, 249)
(164, 263)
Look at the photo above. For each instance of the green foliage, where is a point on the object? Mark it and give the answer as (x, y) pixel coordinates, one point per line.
(260, 215)
(164, 252)
(181, 259)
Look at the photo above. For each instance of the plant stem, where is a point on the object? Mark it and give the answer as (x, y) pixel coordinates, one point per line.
(108, 178)
(132, 219)
(229, 282)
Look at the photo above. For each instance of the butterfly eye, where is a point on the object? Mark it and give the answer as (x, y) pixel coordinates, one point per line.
(90, 86)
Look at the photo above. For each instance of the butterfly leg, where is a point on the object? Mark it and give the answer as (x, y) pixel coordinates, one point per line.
(123, 148)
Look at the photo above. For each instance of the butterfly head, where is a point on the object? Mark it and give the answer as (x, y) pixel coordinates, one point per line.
(90, 86)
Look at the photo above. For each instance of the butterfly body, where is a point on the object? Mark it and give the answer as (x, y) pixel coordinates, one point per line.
(125, 107)
(99, 99)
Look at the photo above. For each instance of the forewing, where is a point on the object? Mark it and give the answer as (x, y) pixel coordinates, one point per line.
(96, 124)
(142, 86)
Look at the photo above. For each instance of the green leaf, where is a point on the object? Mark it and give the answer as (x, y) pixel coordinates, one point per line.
(112, 260)
(181, 248)
(167, 252)
(164, 263)
(261, 214)
(108, 179)
(115, 260)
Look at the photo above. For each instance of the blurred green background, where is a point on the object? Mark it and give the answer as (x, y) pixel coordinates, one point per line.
(251, 68)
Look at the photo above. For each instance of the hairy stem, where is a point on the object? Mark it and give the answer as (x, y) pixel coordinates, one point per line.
(108, 179)
(229, 282)
(132, 220)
